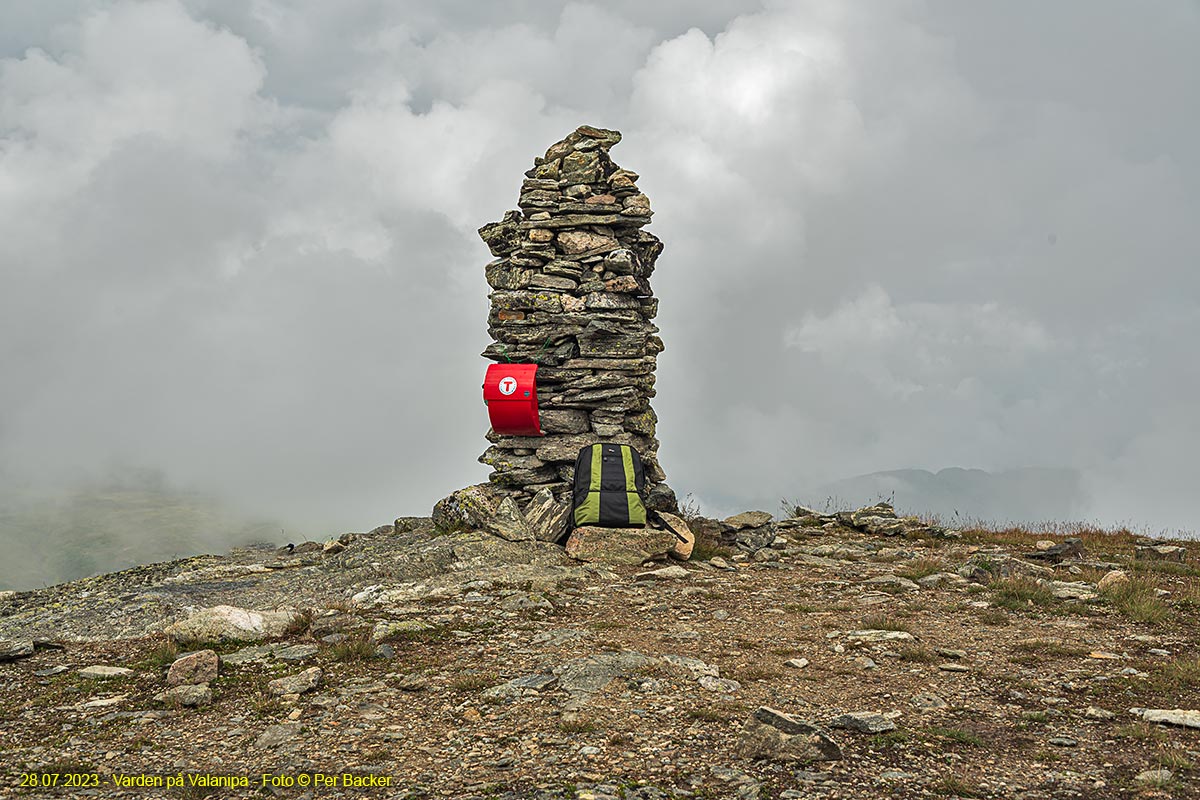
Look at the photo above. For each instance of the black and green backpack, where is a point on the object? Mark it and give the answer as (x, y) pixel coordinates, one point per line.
(609, 484)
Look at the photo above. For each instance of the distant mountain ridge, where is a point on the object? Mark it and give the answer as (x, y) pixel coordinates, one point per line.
(1025, 494)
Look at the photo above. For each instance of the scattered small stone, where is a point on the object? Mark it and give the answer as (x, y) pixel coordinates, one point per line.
(951, 667)
(796, 663)
(1158, 651)
(1063, 741)
(103, 672)
(300, 683)
(865, 662)
(946, 652)
(864, 722)
(332, 547)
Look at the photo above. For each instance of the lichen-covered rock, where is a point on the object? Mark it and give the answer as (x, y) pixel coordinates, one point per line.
(468, 508)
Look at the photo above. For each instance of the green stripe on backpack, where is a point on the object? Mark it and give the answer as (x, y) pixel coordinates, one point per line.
(609, 481)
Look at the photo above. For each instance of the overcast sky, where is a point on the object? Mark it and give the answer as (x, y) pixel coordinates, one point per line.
(237, 238)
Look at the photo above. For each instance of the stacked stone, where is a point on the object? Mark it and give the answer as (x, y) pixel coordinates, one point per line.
(572, 294)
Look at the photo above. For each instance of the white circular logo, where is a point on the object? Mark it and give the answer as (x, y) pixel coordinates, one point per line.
(508, 384)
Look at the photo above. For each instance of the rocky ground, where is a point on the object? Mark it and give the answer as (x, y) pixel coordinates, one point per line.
(852, 655)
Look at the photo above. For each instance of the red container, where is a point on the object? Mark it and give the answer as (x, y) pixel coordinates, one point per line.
(510, 393)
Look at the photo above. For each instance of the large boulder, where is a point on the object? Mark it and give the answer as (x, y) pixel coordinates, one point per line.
(232, 624)
(619, 545)
(194, 668)
(776, 736)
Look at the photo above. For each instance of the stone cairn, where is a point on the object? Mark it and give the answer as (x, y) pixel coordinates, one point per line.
(571, 293)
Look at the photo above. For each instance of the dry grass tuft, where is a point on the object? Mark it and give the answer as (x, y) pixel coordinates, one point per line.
(1137, 600)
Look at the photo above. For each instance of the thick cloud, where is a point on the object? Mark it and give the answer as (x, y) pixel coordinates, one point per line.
(237, 239)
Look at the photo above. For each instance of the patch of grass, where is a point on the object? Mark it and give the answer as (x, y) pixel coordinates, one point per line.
(473, 682)
(954, 786)
(992, 616)
(755, 672)
(921, 567)
(960, 735)
(880, 621)
(1036, 717)
(299, 624)
(161, 655)
(580, 725)
(1174, 759)
(1177, 674)
(705, 714)
(890, 739)
(606, 625)
(799, 608)
(1137, 600)
(916, 654)
(1020, 593)
(1139, 732)
(358, 647)
(1182, 568)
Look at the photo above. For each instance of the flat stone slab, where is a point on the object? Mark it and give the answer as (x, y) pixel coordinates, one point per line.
(103, 672)
(1175, 716)
(619, 545)
(864, 722)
